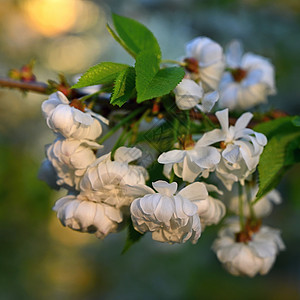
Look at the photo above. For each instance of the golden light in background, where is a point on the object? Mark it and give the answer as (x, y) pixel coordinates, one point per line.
(73, 29)
(51, 17)
(72, 53)
(89, 15)
(66, 236)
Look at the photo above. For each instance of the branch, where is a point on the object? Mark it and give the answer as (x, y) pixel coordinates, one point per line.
(102, 106)
(38, 87)
(198, 116)
(105, 108)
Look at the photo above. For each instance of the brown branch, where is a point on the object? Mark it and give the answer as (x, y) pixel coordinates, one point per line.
(198, 116)
(268, 116)
(104, 107)
(37, 87)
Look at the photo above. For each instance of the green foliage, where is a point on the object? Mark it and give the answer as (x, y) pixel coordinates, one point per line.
(147, 79)
(152, 82)
(124, 87)
(160, 136)
(136, 36)
(103, 73)
(275, 126)
(132, 237)
(296, 121)
(281, 152)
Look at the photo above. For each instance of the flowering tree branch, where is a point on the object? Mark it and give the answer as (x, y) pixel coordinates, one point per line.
(106, 107)
(37, 87)
(171, 100)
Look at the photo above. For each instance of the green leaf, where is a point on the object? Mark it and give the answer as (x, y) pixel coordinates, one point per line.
(293, 151)
(278, 156)
(151, 82)
(103, 73)
(281, 152)
(124, 87)
(277, 126)
(135, 35)
(296, 121)
(132, 237)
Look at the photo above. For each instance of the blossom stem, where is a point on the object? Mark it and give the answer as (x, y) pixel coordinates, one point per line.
(250, 203)
(188, 122)
(175, 131)
(171, 61)
(241, 207)
(120, 124)
(121, 141)
(84, 98)
(136, 126)
(208, 120)
(172, 175)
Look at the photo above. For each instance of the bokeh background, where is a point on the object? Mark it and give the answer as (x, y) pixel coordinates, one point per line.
(40, 259)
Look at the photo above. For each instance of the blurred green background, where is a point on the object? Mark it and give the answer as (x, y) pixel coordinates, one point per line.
(40, 259)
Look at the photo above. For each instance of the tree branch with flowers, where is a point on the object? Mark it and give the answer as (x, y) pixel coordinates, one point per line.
(153, 147)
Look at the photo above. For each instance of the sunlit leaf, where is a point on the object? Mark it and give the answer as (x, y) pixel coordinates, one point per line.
(103, 73)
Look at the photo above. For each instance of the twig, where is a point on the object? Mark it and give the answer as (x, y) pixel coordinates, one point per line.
(38, 87)
(105, 108)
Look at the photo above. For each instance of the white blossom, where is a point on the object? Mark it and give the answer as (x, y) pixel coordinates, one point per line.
(241, 148)
(88, 216)
(230, 173)
(248, 82)
(68, 120)
(251, 257)
(208, 56)
(209, 209)
(189, 94)
(262, 208)
(190, 163)
(48, 174)
(70, 158)
(104, 180)
(171, 217)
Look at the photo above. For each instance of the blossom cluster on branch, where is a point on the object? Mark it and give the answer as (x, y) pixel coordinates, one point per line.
(155, 168)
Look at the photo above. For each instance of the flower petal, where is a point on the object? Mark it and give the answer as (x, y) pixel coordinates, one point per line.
(194, 192)
(234, 53)
(261, 138)
(165, 188)
(210, 138)
(205, 157)
(138, 190)
(189, 170)
(173, 156)
(164, 210)
(187, 94)
(231, 153)
(149, 203)
(229, 95)
(82, 117)
(243, 121)
(125, 154)
(209, 101)
(222, 116)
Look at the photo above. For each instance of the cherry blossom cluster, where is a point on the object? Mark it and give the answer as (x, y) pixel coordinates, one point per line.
(95, 201)
(236, 80)
(206, 175)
